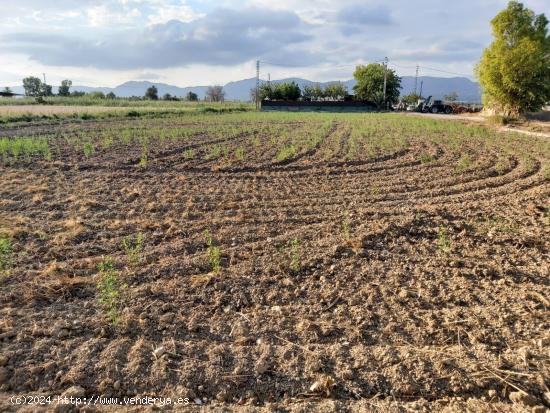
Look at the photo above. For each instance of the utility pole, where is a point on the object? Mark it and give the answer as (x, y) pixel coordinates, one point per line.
(269, 79)
(44, 74)
(385, 80)
(421, 84)
(416, 79)
(257, 84)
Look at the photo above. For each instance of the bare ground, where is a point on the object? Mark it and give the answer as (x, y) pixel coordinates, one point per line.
(413, 288)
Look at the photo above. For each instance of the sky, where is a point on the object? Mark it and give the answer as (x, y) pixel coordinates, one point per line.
(204, 42)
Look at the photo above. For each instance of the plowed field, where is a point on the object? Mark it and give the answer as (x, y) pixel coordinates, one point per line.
(268, 262)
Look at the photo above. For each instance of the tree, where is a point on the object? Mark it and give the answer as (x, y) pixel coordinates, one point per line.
(307, 93)
(335, 91)
(191, 97)
(32, 86)
(45, 89)
(110, 95)
(317, 92)
(167, 96)
(97, 95)
(514, 71)
(78, 93)
(64, 88)
(152, 93)
(266, 91)
(411, 98)
(451, 97)
(370, 84)
(7, 90)
(215, 93)
(287, 91)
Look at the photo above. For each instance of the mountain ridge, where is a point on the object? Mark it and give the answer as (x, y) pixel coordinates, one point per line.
(467, 90)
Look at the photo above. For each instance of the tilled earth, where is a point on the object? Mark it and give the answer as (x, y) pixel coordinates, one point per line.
(377, 284)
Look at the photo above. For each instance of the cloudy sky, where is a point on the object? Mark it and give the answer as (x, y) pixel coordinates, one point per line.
(201, 42)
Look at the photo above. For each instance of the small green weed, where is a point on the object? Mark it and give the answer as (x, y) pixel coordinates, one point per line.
(464, 163)
(88, 148)
(295, 254)
(426, 158)
(144, 158)
(133, 247)
(110, 289)
(346, 226)
(239, 154)
(6, 255)
(286, 152)
(213, 252)
(443, 240)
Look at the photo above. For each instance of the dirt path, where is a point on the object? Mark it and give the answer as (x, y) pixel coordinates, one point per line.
(480, 119)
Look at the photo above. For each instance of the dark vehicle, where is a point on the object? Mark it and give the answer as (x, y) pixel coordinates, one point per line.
(436, 106)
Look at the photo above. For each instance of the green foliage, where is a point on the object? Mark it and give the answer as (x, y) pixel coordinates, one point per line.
(144, 158)
(280, 91)
(346, 226)
(191, 97)
(110, 288)
(464, 163)
(46, 90)
(6, 255)
(411, 98)
(213, 252)
(370, 84)
(96, 95)
(188, 153)
(514, 71)
(88, 148)
(64, 88)
(110, 95)
(15, 148)
(152, 93)
(286, 152)
(335, 91)
(426, 157)
(443, 240)
(239, 153)
(295, 254)
(32, 86)
(133, 247)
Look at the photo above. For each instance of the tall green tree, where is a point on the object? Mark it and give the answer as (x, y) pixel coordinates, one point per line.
(32, 86)
(317, 92)
(287, 91)
(64, 88)
(370, 84)
(191, 97)
(336, 91)
(46, 90)
(514, 71)
(152, 93)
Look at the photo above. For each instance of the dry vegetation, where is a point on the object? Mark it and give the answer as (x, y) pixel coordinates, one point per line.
(269, 262)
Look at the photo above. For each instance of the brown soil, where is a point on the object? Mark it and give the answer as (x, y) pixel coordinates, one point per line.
(412, 288)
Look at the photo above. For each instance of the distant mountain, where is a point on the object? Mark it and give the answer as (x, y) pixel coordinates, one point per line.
(467, 90)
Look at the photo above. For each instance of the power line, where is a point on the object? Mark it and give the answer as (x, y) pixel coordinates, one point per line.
(446, 71)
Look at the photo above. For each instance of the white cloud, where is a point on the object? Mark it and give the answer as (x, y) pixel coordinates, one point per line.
(123, 37)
